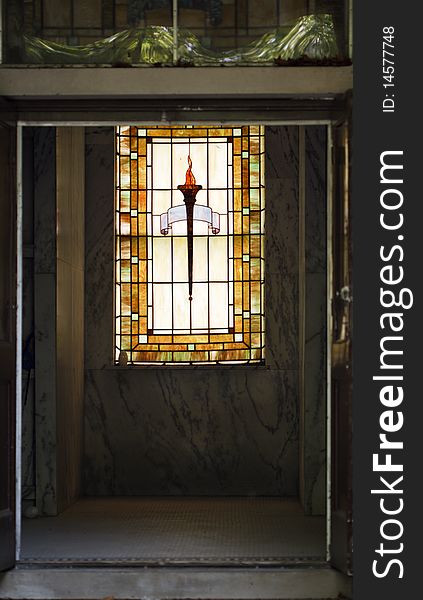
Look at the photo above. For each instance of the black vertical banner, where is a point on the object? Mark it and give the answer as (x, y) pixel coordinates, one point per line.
(388, 334)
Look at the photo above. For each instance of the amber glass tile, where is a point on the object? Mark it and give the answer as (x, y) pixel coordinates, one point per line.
(142, 174)
(237, 222)
(220, 132)
(230, 355)
(125, 181)
(254, 145)
(144, 347)
(191, 339)
(238, 323)
(237, 200)
(255, 323)
(237, 145)
(245, 173)
(255, 268)
(256, 353)
(125, 271)
(255, 245)
(246, 325)
(222, 337)
(160, 339)
(125, 247)
(142, 247)
(125, 299)
(142, 224)
(254, 171)
(125, 145)
(142, 270)
(151, 356)
(125, 325)
(254, 199)
(142, 146)
(237, 246)
(255, 340)
(142, 201)
(215, 346)
(162, 132)
(190, 356)
(238, 269)
(180, 132)
(245, 197)
(125, 342)
(246, 298)
(134, 272)
(234, 346)
(238, 297)
(142, 298)
(166, 347)
(125, 224)
(142, 321)
(255, 221)
(237, 171)
(255, 296)
(245, 271)
(124, 199)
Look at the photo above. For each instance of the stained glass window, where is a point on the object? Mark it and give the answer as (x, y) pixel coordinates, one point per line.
(156, 322)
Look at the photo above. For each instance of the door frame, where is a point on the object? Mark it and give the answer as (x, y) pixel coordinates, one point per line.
(328, 121)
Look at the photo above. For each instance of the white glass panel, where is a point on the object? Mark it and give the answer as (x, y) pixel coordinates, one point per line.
(218, 201)
(161, 166)
(179, 228)
(200, 228)
(200, 261)
(180, 260)
(218, 258)
(218, 305)
(156, 226)
(161, 202)
(162, 259)
(218, 165)
(200, 306)
(223, 225)
(162, 306)
(181, 306)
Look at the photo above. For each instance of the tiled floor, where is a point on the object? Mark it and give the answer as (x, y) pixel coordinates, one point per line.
(176, 529)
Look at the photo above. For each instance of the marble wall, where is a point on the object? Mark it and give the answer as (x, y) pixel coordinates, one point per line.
(314, 354)
(199, 430)
(196, 430)
(58, 176)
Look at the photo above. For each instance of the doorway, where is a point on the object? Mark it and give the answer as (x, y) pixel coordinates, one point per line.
(222, 471)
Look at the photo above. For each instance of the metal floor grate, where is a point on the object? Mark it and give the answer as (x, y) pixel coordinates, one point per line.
(203, 530)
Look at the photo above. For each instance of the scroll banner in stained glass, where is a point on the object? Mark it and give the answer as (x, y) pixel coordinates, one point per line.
(201, 213)
(155, 321)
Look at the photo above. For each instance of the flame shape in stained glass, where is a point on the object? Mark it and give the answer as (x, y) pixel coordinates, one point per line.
(189, 177)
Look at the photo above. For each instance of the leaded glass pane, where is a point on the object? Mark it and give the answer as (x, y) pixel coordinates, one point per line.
(155, 319)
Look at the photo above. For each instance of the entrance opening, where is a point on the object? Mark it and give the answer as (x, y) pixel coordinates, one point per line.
(172, 464)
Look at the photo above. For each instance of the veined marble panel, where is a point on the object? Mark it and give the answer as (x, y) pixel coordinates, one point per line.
(99, 246)
(44, 200)
(191, 431)
(316, 192)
